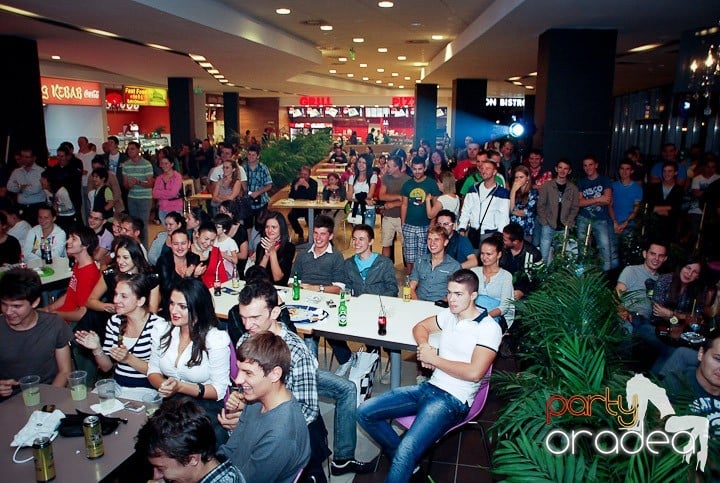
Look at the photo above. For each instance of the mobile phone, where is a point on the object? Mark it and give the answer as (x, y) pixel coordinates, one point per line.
(134, 406)
(331, 304)
(442, 303)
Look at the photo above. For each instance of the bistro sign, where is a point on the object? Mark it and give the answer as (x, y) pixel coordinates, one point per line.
(69, 92)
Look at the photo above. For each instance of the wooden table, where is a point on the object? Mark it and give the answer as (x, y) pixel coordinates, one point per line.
(328, 170)
(200, 197)
(71, 465)
(310, 205)
(363, 313)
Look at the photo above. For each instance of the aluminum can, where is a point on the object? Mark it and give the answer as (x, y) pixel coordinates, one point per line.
(93, 437)
(44, 462)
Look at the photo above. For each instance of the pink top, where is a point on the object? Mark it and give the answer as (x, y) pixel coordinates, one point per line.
(168, 193)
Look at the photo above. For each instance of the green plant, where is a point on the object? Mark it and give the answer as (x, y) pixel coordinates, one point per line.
(285, 157)
(572, 343)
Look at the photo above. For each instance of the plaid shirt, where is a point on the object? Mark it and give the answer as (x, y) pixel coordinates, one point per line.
(302, 379)
(225, 472)
(257, 179)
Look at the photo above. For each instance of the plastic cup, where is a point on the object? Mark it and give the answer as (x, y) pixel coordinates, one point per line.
(152, 403)
(107, 391)
(77, 381)
(30, 386)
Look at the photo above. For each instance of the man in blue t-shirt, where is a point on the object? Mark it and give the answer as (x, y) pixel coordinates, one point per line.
(626, 198)
(595, 199)
(413, 214)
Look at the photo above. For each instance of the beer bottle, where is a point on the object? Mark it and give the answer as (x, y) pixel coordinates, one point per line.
(296, 287)
(342, 310)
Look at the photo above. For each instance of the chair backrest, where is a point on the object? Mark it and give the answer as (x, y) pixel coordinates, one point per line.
(188, 187)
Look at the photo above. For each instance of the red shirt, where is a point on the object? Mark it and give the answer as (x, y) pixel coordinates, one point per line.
(81, 284)
(462, 167)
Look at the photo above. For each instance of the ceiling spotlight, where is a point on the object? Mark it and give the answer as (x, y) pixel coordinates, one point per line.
(205, 65)
(390, 84)
(386, 4)
(378, 82)
(342, 59)
(104, 33)
(517, 83)
(401, 87)
(516, 129)
(55, 57)
(529, 87)
(382, 50)
(326, 28)
(394, 74)
(644, 48)
(401, 57)
(417, 81)
(213, 71)
(223, 81)
(407, 77)
(532, 74)
(436, 37)
(419, 64)
(282, 11)
(351, 75)
(231, 84)
(333, 71)
(358, 40)
(516, 78)
(381, 69)
(363, 65)
(366, 78)
(197, 58)
(219, 76)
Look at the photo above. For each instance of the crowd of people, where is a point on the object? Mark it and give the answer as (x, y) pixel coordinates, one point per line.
(473, 230)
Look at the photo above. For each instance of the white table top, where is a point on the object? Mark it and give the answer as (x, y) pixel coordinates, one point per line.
(60, 266)
(323, 205)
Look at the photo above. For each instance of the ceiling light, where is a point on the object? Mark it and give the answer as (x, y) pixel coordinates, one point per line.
(420, 64)
(401, 87)
(378, 82)
(363, 65)
(218, 76)
(197, 58)
(333, 71)
(532, 74)
(213, 71)
(417, 81)
(517, 77)
(55, 57)
(646, 47)
(231, 84)
(401, 57)
(394, 74)
(386, 4)
(517, 83)
(18, 11)
(366, 78)
(390, 84)
(326, 28)
(381, 69)
(436, 37)
(358, 40)
(382, 50)
(406, 77)
(206, 65)
(282, 11)
(351, 75)
(529, 87)
(342, 59)
(158, 46)
(103, 33)
(223, 81)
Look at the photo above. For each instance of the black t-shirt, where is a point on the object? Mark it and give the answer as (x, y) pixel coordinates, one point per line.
(561, 191)
(9, 251)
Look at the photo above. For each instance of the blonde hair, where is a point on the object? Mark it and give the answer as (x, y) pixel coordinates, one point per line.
(448, 182)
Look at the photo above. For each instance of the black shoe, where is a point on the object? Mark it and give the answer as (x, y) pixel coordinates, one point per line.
(341, 467)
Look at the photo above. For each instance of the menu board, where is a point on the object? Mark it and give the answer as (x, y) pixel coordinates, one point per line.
(296, 112)
(399, 112)
(352, 111)
(313, 111)
(377, 111)
(441, 112)
(331, 112)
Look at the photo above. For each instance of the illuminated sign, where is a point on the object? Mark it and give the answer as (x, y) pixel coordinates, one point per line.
(399, 101)
(145, 96)
(69, 92)
(315, 101)
(504, 102)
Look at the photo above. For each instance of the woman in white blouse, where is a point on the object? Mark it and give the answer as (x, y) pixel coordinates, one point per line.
(192, 357)
(495, 292)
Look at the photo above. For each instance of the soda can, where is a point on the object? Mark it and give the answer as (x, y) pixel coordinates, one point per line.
(93, 437)
(44, 462)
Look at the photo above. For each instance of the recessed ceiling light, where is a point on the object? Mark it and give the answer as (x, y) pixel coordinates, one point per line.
(282, 11)
(358, 40)
(333, 71)
(326, 28)
(380, 69)
(213, 71)
(223, 81)
(104, 33)
(417, 81)
(205, 65)
(416, 24)
(378, 82)
(18, 11)
(342, 59)
(420, 64)
(517, 83)
(55, 57)
(406, 77)
(363, 65)
(382, 50)
(366, 78)
(532, 74)
(436, 37)
(386, 4)
(517, 77)
(158, 46)
(219, 76)
(401, 87)
(390, 84)
(529, 87)
(643, 48)
(351, 75)
(231, 84)
(197, 58)
(394, 74)
(401, 57)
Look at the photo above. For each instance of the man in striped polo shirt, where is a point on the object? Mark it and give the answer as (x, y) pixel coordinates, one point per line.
(138, 180)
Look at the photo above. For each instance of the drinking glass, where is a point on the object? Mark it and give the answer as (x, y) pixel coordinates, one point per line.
(107, 391)
(152, 403)
(30, 386)
(77, 381)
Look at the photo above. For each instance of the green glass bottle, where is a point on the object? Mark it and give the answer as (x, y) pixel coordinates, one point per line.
(296, 287)
(342, 311)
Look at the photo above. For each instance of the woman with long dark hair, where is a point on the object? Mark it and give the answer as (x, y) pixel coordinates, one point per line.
(129, 333)
(523, 201)
(195, 217)
(360, 189)
(161, 244)
(275, 252)
(172, 267)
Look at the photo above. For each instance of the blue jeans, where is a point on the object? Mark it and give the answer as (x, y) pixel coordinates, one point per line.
(140, 208)
(546, 240)
(436, 411)
(344, 393)
(340, 347)
(604, 235)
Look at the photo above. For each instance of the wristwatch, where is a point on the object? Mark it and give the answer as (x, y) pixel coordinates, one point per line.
(674, 320)
(250, 193)
(201, 391)
(322, 288)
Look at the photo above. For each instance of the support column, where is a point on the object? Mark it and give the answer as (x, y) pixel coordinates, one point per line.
(182, 109)
(468, 104)
(425, 118)
(22, 122)
(573, 105)
(231, 111)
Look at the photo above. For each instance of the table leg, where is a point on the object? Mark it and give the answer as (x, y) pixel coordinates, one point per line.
(395, 368)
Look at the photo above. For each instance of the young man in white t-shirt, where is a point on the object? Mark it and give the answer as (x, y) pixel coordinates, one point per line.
(469, 340)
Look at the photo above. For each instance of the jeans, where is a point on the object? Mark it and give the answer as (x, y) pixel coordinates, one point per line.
(604, 235)
(140, 208)
(547, 235)
(344, 392)
(436, 411)
(340, 347)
